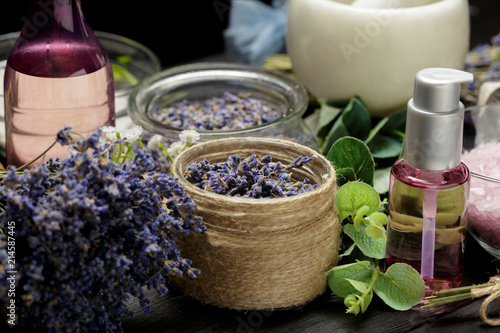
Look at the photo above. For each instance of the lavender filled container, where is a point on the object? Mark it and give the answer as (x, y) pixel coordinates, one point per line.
(221, 100)
(482, 156)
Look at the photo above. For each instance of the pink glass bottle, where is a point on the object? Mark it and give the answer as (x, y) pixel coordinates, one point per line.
(57, 75)
(429, 186)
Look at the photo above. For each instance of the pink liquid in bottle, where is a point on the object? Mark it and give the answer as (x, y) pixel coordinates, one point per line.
(57, 75)
(406, 209)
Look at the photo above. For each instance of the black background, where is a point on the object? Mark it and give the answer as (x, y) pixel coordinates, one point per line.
(177, 31)
(183, 31)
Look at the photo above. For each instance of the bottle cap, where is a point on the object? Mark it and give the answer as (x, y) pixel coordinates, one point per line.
(434, 121)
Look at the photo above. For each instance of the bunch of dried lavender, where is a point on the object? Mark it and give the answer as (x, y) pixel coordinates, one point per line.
(89, 233)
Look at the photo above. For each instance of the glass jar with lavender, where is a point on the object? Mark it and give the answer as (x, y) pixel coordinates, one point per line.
(221, 100)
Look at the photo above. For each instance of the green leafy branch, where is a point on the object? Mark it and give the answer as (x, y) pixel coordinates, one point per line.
(401, 287)
(356, 150)
(379, 143)
(358, 203)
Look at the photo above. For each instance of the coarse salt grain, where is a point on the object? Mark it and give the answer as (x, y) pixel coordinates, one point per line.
(484, 202)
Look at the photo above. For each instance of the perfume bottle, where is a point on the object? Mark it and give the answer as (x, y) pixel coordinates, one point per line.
(57, 75)
(429, 186)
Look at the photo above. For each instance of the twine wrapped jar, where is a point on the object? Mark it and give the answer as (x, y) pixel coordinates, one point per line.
(261, 254)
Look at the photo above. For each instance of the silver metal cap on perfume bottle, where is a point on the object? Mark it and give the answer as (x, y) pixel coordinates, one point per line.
(434, 121)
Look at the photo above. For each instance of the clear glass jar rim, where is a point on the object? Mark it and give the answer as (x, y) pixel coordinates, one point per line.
(154, 86)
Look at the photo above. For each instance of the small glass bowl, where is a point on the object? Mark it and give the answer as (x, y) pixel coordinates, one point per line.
(481, 128)
(200, 82)
(134, 57)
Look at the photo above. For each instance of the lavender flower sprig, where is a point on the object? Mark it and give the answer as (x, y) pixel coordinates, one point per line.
(484, 62)
(90, 237)
(252, 177)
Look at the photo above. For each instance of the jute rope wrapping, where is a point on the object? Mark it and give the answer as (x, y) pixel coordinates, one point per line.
(261, 254)
(493, 293)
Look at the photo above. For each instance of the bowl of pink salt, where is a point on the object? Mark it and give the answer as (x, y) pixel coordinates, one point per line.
(482, 156)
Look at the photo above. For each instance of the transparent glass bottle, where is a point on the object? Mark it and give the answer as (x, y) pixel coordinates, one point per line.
(57, 75)
(429, 186)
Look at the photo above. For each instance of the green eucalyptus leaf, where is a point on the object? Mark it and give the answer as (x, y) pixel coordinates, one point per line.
(337, 131)
(354, 121)
(350, 152)
(357, 119)
(373, 248)
(381, 179)
(351, 197)
(349, 251)
(337, 276)
(385, 147)
(354, 254)
(379, 218)
(311, 122)
(384, 140)
(360, 286)
(396, 121)
(376, 130)
(366, 301)
(360, 216)
(401, 287)
(375, 232)
(328, 114)
(345, 175)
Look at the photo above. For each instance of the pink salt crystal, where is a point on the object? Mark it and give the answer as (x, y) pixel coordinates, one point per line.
(484, 200)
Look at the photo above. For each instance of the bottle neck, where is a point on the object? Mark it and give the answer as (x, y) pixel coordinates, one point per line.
(53, 16)
(56, 41)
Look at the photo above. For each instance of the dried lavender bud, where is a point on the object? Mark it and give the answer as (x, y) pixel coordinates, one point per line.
(252, 177)
(483, 61)
(228, 112)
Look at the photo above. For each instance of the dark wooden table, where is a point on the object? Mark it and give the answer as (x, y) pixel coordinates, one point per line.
(175, 312)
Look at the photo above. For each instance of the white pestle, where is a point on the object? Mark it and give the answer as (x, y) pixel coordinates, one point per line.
(372, 3)
(386, 4)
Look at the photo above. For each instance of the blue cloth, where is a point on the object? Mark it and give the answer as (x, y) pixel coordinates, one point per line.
(255, 30)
